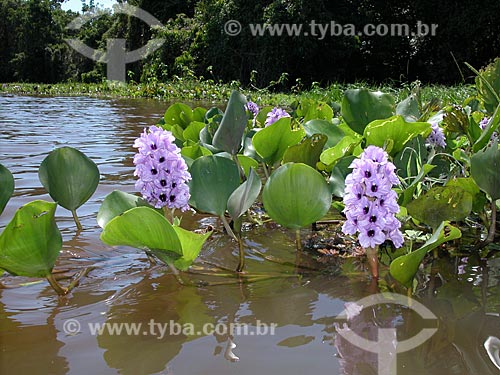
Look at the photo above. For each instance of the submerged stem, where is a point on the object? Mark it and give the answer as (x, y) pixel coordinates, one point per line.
(77, 221)
(56, 286)
(241, 264)
(492, 228)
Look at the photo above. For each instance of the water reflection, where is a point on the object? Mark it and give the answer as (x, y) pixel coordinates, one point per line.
(125, 288)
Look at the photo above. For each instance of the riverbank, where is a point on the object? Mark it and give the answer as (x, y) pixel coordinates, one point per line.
(213, 92)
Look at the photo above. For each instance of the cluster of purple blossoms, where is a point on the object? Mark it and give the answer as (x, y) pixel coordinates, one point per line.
(163, 173)
(436, 138)
(483, 123)
(370, 202)
(253, 108)
(274, 115)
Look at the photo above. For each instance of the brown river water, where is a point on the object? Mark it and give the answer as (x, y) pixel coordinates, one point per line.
(292, 324)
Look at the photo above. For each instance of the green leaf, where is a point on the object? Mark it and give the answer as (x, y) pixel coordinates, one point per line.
(485, 166)
(407, 195)
(344, 148)
(332, 131)
(247, 163)
(296, 195)
(307, 151)
(199, 114)
(339, 172)
(311, 109)
(491, 127)
(394, 132)
(229, 135)
(192, 132)
(69, 176)
(31, 242)
(361, 106)
(441, 203)
(6, 187)
(179, 114)
(191, 246)
(468, 184)
(408, 108)
(116, 203)
(213, 180)
(272, 141)
(142, 228)
(404, 268)
(194, 151)
(244, 196)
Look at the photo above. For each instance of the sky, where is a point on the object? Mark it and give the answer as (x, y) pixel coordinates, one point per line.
(76, 5)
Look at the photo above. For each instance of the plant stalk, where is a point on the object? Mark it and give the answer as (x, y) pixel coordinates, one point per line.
(228, 228)
(371, 254)
(298, 242)
(241, 264)
(77, 221)
(56, 286)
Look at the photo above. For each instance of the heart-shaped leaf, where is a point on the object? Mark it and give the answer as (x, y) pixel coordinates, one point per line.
(179, 114)
(307, 151)
(116, 203)
(344, 148)
(361, 106)
(213, 180)
(229, 135)
(69, 176)
(272, 141)
(31, 242)
(142, 228)
(404, 268)
(296, 195)
(485, 166)
(6, 187)
(244, 196)
(394, 132)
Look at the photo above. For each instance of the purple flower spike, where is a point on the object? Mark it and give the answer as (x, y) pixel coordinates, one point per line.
(274, 115)
(483, 123)
(252, 108)
(436, 138)
(163, 173)
(370, 202)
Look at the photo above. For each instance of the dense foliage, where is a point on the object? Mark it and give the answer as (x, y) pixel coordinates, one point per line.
(32, 46)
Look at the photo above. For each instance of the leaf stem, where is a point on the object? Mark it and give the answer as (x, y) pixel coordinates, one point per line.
(298, 242)
(228, 228)
(241, 264)
(77, 221)
(371, 254)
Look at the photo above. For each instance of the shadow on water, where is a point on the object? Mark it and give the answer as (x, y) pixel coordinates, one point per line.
(291, 322)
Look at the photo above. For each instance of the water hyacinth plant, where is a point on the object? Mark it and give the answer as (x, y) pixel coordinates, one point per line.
(371, 204)
(163, 173)
(274, 115)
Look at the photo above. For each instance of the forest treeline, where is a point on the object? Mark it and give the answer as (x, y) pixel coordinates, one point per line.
(32, 46)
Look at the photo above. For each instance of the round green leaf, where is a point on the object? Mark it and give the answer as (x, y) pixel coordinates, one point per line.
(31, 242)
(116, 203)
(272, 141)
(485, 165)
(394, 133)
(179, 114)
(307, 151)
(6, 187)
(213, 180)
(361, 106)
(331, 130)
(296, 195)
(69, 176)
(142, 228)
(441, 203)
